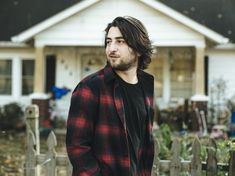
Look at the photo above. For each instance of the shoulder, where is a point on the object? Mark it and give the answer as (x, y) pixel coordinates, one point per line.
(93, 78)
(145, 76)
(92, 81)
(147, 81)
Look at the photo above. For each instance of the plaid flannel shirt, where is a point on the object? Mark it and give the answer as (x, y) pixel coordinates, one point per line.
(96, 136)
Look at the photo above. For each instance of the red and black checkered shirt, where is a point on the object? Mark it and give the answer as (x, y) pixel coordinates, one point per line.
(96, 139)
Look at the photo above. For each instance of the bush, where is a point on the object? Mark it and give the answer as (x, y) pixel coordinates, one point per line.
(11, 117)
(165, 137)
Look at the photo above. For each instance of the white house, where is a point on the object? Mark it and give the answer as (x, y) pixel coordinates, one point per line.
(61, 49)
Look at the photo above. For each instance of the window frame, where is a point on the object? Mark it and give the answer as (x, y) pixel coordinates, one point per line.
(11, 92)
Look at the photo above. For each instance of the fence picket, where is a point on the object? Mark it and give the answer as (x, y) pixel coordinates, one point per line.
(232, 163)
(51, 155)
(175, 165)
(196, 166)
(69, 167)
(211, 167)
(155, 169)
(31, 156)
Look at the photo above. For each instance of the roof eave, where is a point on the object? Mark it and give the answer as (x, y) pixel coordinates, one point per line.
(8, 44)
(227, 46)
(208, 33)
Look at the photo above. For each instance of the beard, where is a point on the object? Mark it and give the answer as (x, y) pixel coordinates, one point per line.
(123, 66)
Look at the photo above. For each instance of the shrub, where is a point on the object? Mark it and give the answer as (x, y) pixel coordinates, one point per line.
(11, 117)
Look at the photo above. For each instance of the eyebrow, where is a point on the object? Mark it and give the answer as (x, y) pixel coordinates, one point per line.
(108, 38)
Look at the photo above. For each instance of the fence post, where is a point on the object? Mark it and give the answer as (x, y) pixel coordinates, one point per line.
(211, 166)
(155, 169)
(33, 141)
(31, 157)
(232, 163)
(32, 115)
(196, 166)
(175, 165)
(51, 155)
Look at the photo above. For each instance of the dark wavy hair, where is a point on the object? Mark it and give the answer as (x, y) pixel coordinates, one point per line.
(136, 37)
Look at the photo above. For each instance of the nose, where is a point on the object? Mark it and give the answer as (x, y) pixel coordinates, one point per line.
(112, 47)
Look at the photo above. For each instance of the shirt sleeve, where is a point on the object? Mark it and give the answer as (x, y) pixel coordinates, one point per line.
(79, 136)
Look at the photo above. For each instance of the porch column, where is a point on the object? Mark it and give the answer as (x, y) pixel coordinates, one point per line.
(199, 71)
(200, 100)
(17, 78)
(39, 97)
(39, 81)
(166, 81)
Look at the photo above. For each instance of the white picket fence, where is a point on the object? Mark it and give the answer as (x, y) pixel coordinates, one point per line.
(38, 164)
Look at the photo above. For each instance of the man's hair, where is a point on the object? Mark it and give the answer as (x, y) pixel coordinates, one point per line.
(136, 37)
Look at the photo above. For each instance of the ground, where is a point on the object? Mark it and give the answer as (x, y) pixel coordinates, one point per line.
(12, 157)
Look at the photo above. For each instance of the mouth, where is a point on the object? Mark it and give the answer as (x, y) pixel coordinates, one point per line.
(113, 56)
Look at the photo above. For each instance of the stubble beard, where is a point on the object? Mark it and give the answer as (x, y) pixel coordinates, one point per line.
(123, 66)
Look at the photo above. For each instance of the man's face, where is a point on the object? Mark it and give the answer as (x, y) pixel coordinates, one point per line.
(119, 55)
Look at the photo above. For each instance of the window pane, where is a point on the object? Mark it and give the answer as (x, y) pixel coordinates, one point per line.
(182, 65)
(27, 76)
(5, 77)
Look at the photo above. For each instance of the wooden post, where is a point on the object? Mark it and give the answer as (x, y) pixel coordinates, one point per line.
(51, 155)
(155, 169)
(31, 156)
(33, 141)
(175, 166)
(232, 163)
(196, 166)
(211, 166)
(32, 115)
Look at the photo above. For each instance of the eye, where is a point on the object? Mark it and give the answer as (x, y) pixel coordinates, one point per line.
(121, 41)
(108, 42)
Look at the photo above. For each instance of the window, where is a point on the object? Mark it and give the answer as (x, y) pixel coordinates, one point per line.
(27, 76)
(155, 68)
(5, 77)
(182, 67)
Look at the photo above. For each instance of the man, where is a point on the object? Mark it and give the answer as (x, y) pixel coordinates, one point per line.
(111, 113)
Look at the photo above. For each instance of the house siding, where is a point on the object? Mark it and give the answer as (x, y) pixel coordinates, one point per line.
(222, 65)
(86, 27)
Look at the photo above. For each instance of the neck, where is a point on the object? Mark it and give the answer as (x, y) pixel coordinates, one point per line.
(130, 76)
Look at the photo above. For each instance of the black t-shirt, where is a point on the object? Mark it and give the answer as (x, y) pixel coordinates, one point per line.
(135, 116)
